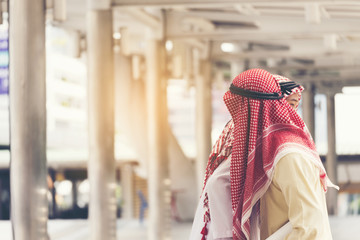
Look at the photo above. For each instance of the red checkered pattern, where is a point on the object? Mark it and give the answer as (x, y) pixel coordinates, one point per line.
(221, 150)
(262, 129)
(274, 127)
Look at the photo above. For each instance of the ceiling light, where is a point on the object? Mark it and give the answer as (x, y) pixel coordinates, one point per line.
(227, 47)
(117, 35)
(169, 45)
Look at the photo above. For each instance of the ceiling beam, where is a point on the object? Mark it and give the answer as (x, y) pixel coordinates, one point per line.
(241, 35)
(313, 68)
(324, 82)
(144, 17)
(305, 49)
(277, 55)
(267, 27)
(216, 3)
(282, 17)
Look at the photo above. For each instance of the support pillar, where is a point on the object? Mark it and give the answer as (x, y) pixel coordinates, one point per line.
(203, 117)
(101, 166)
(331, 157)
(53, 210)
(158, 165)
(123, 110)
(130, 102)
(28, 185)
(308, 107)
(127, 186)
(124, 91)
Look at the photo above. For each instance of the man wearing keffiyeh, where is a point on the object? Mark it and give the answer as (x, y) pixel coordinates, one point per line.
(264, 170)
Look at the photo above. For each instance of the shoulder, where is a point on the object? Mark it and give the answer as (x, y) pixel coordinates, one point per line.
(294, 166)
(295, 160)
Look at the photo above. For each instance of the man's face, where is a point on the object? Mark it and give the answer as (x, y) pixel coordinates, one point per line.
(293, 100)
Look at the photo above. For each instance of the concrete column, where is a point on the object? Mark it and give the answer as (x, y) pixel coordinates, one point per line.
(189, 66)
(130, 103)
(124, 91)
(308, 107)
(28, 185)
(127, 186)
(101, 168)
(331, 157)
(183, 177)
(158, 166)
(203, 118)
(123, 118)
(74, 193)
(53, 211)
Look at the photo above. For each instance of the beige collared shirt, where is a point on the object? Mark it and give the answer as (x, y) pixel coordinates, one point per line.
(295, 195)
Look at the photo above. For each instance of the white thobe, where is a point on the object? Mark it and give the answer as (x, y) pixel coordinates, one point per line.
(295, 194)
(219, 195)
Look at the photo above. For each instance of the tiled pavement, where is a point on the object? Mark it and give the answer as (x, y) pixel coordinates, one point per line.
(343, 228)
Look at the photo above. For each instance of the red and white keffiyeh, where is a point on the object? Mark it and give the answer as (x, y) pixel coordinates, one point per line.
(260, 133)
(222, 148)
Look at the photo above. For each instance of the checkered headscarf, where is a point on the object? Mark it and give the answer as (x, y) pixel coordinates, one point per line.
(222, 148)
(260, 133)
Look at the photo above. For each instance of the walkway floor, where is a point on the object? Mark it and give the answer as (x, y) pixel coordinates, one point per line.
(343, 228)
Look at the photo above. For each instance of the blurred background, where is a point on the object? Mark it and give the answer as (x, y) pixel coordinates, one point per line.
(109, 109)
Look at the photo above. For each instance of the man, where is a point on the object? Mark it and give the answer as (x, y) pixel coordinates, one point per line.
(264, 169)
